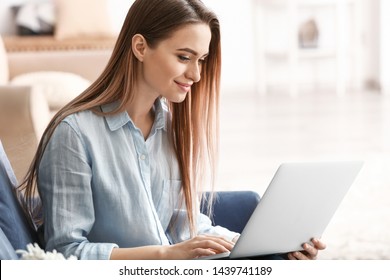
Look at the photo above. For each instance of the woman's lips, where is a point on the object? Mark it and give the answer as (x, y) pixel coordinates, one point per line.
(183, 86)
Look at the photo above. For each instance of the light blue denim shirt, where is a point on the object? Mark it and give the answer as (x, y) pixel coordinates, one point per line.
(103, 186)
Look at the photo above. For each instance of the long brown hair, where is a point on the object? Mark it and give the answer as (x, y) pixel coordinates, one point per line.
(194, 130)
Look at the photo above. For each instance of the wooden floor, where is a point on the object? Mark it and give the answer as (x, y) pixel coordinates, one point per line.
(260, 132)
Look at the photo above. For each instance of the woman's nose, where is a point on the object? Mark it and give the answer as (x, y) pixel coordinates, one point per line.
(193, 72)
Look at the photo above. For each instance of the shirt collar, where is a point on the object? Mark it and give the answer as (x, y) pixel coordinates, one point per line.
(120, 119)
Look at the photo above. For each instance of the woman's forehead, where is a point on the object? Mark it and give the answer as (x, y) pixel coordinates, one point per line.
(194, 38)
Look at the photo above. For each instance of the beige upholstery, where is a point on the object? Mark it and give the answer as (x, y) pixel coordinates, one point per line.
(4, 74)
(49, 43)
(86, 58)
(88, 64)
(24, 115)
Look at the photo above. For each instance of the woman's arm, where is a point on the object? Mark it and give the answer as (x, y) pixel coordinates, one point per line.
(199, 246)
(64, 182)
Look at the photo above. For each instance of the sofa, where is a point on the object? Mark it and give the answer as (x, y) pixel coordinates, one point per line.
(232, 209)
(39, 75)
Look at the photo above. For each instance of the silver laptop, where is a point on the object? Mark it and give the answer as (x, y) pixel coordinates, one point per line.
(297, 206)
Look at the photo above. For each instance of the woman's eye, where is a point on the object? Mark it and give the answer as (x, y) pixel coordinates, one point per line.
(184, 58)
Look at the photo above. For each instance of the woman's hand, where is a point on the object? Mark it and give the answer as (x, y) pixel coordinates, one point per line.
(310, 252)
(199, 246)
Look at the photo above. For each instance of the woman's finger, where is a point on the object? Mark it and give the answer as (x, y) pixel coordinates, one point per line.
(218, 240)
(312, 251)
(318, 244)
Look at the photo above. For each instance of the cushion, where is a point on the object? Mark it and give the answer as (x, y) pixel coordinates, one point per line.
(7, 252)
(4, 74)
(59, 88)
(13, 222)
(87, 18)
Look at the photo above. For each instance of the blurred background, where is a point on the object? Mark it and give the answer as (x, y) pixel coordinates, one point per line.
(302, 80)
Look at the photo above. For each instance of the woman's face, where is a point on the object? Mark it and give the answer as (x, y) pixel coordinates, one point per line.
(170, 68)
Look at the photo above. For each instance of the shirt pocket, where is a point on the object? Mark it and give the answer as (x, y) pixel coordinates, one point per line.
(168, 201)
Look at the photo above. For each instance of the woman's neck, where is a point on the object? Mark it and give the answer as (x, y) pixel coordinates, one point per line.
(141, 112)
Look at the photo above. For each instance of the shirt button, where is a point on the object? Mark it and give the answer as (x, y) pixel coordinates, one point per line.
(142, 157)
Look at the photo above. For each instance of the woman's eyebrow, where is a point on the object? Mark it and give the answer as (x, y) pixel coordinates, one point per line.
(191, 51)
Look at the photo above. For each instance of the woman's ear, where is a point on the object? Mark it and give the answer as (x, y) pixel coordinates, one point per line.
(139, 45)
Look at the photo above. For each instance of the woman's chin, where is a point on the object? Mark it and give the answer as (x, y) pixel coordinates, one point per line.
(178, 99)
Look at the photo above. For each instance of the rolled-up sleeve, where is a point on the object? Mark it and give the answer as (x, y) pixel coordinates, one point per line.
(205, 227)
(180, 232)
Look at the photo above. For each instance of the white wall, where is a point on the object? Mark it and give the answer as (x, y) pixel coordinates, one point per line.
(238, 53)
(385, 46)
(370, 47)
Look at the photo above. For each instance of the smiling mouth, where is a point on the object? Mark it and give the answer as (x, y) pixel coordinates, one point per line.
(184, 87)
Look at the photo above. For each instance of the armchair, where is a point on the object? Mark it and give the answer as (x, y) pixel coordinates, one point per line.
(24, 114)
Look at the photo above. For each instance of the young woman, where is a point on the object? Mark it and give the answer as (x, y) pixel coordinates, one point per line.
(118, 168)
